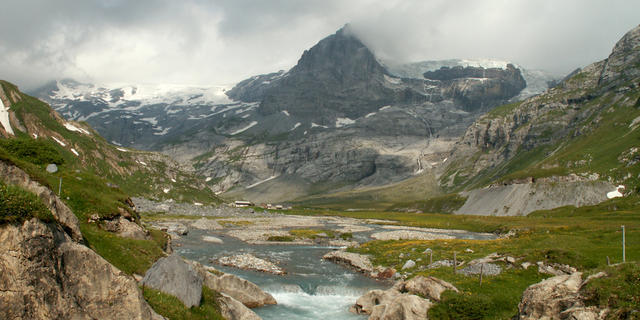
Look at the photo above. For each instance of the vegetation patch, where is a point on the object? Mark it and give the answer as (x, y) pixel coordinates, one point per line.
(37, 151)
(281, 238)
(18, 205)
(128, 255)
(172, 308)
(312, 233)
(235, 223)
(618, 291)
(442, 204)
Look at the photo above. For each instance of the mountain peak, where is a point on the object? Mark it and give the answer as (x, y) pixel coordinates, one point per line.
(624, 59)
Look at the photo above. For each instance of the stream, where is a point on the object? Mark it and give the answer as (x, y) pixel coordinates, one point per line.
(311, 289)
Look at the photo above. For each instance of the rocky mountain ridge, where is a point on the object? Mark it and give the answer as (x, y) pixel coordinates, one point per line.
(338, 118)
(584, 126)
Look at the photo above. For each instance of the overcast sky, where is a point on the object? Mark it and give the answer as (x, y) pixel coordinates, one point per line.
(224, 41)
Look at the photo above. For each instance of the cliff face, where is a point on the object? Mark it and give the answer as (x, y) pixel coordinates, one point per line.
(584, 126)
(46, 273)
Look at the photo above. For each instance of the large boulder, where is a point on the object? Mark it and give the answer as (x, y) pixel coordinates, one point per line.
(240, 289)
(46, 275)
(403, 307)
(176, 277)
(428, 287)
(232, 309)
(549, 298)
(367, 303)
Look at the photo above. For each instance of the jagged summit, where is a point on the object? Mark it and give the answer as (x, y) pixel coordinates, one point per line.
(624, 61)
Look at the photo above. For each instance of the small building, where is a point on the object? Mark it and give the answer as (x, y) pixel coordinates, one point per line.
(242, 204)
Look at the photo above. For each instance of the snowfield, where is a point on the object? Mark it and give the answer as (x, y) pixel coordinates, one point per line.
(4, 118)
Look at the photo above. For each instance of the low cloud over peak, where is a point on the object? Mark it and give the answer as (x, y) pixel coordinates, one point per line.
(224, 41)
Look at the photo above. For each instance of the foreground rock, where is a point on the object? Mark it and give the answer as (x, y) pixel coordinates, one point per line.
(428, 287)
(46, 275)
(233, 309)
(248, 261)
(557, 298)
(174, 276)
(403, 307)
(402, 300)
(242, 290)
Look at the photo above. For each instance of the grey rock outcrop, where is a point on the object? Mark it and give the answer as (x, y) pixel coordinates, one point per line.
(46, 275)
(557, 298)
(233, 309)
(14, 175)
(176, 277)
(240, 289)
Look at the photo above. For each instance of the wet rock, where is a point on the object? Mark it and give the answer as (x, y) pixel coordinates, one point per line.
(176, 277)
(233, 309)
(46, 275)
(242, 290)
(212, 239)
(356, 261)
(428, 287)
(248, 261)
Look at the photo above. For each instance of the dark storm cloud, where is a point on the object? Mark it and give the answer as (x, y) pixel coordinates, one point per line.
(223, 41)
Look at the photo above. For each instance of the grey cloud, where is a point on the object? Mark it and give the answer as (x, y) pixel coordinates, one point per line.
(223, 41)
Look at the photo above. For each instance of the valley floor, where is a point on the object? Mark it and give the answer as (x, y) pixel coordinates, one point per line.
(584, 238)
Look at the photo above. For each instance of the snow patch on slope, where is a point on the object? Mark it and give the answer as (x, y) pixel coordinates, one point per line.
(4, 118)
(253, 123)
(71, 127)
(261, 182)
(341, 122)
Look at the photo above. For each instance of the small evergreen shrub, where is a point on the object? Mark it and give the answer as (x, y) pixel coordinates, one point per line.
(37, 151)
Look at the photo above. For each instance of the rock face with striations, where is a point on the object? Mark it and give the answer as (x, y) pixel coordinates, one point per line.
(46, 275)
